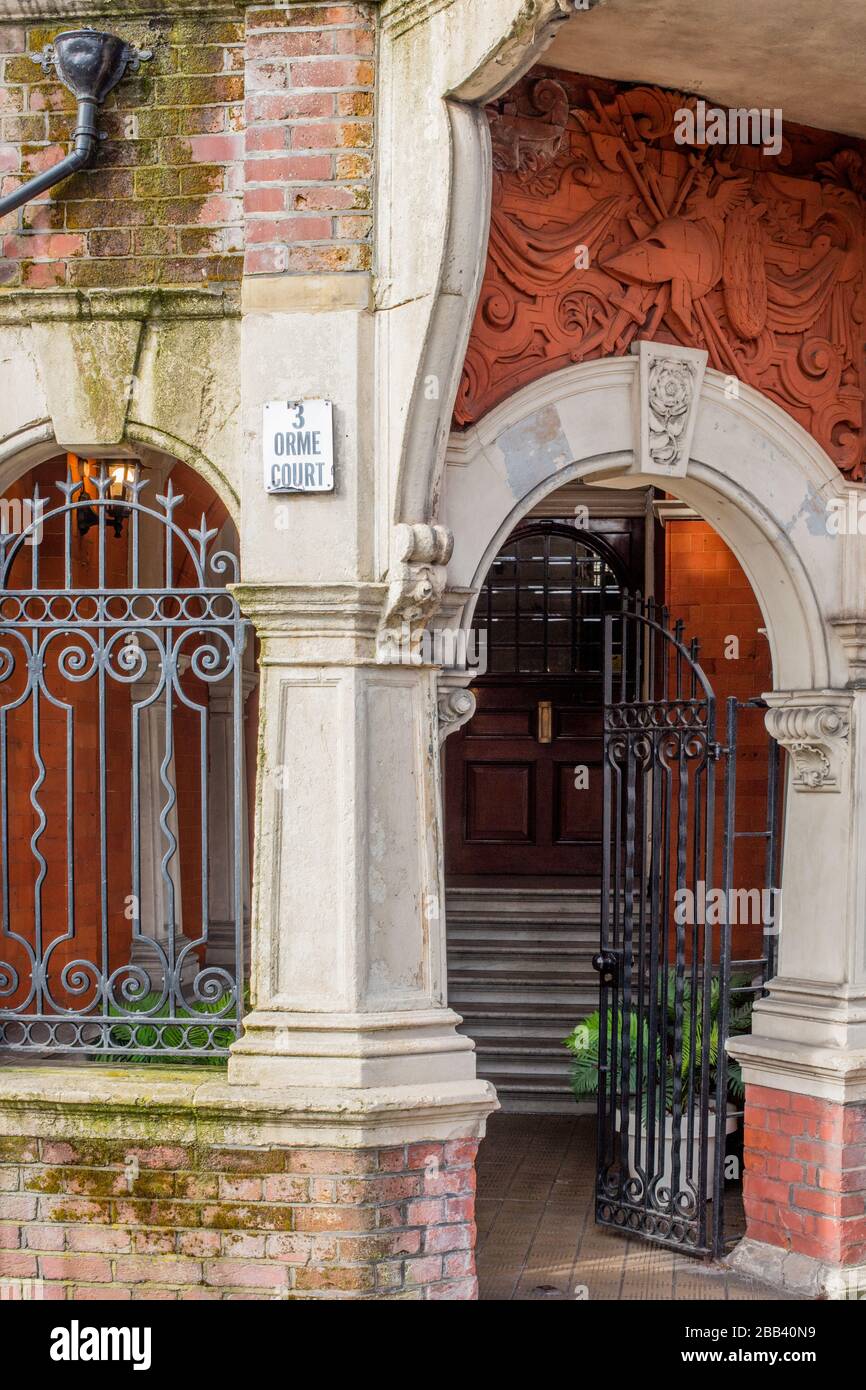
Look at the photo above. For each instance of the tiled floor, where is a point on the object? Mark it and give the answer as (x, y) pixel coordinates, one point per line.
(537, 1238)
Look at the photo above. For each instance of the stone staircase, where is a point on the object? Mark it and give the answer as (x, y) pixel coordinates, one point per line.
(519, 972)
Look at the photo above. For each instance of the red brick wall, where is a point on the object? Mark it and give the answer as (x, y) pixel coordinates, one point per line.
(255, 132)
(804, 1184)
(162, 204)
(96, 1219)
(309, 138)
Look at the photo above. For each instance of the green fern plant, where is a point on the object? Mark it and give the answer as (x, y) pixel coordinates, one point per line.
(584, 1040)
(169, 1043)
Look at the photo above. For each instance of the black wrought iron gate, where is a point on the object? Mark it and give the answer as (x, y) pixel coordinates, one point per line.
(102, 683)
(668, 984)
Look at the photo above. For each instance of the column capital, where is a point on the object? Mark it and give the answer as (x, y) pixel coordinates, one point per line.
(314, 624)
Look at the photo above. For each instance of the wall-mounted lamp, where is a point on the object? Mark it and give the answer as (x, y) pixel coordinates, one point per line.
(114, 481)
(90, 64)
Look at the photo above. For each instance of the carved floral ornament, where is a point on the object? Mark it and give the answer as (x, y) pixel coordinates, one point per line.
(605, 230)
(671, 389)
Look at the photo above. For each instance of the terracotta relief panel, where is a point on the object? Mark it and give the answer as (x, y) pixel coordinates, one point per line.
(604, 230)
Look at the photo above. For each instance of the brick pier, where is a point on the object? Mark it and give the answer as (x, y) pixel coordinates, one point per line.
(99, 1219)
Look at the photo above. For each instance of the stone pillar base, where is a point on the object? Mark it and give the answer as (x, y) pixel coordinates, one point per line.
(150, 1184)
(402, 1048)
(797, 1274)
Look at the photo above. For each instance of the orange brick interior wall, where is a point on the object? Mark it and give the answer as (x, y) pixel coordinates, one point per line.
(706, 587)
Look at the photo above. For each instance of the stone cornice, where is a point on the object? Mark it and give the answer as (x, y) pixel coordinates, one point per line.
(20, 308)
(292, 609)
(314, 624)
(835, 1074)
(187, 1105)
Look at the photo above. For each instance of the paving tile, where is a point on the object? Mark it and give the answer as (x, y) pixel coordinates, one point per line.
(537, 1237)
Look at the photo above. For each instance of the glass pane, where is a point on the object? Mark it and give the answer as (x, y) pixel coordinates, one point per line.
(532, 658)
(531, 630)
(502, 631)
(531, 548)
(589, 602)
(531, 572)
(502, 660)
(562, 546)
(503, 599)
(505, 567)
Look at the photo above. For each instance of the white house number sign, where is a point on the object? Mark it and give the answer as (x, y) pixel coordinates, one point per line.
(298, 446)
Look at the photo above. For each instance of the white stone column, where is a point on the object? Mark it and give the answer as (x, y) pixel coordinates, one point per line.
(809, 1034)
(348, 969)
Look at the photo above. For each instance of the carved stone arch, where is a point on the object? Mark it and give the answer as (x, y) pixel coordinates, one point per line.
(153, 438)
(754, 474)
(25, 449)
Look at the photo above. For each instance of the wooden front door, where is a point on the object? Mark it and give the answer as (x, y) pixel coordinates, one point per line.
(523, 779)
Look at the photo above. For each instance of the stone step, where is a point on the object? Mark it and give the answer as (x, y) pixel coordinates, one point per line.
(520, 974)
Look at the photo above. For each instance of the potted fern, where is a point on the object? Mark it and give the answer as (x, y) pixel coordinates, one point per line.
(583, 1044)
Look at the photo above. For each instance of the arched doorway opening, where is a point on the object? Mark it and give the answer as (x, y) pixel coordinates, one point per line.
(127, 724)
(743, 517)
(524, 777)
(534, 784)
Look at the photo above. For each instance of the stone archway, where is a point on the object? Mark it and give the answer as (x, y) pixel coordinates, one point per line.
(759, 479)
(765, 486)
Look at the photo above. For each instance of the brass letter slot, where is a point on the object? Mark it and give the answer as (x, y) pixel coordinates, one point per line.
(545, 721)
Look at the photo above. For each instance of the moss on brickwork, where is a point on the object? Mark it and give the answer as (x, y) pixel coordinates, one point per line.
(144, 177)
(163, 1219)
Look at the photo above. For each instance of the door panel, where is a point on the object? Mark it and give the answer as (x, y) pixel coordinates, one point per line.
(500, 803)
(512, 803)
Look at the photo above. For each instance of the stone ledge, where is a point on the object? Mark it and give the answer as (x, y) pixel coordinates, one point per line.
(797, 1274)
(307, 294)
(22, 307)
(147, 1102)
(825, 1072)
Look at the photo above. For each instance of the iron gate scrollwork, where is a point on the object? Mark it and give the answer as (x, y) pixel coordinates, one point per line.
(668, 983)
(95, 953)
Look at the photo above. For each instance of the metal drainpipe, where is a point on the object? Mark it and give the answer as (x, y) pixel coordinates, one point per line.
(89, 64)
